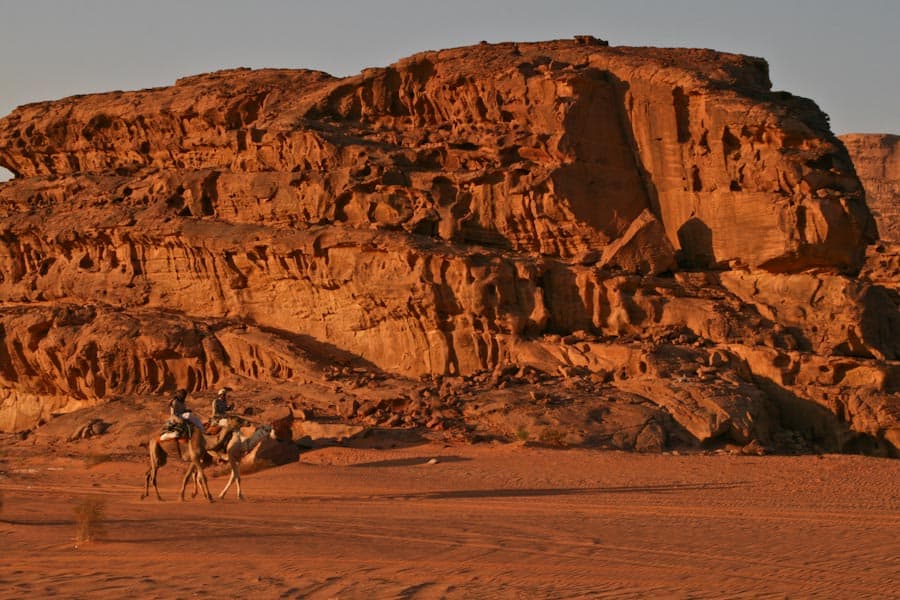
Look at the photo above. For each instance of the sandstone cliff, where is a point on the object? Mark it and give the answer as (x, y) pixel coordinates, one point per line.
(657, 228)
(877, 161)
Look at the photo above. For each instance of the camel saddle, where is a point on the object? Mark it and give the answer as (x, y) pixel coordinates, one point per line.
(175, 429)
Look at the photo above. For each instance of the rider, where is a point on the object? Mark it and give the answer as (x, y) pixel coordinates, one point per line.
(219, 425)
(179, 409)
(177, 405)
(220, 406)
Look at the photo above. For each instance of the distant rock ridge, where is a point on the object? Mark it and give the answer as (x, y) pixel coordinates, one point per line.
(596, 212)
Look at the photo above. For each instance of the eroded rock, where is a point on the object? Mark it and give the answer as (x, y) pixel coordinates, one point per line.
(655, 232)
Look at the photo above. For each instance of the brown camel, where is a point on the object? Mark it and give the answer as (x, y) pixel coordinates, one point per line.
(237, 449)
(224, 430)
(192, 451)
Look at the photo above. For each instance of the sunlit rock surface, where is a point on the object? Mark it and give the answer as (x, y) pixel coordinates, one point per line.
(653, 233)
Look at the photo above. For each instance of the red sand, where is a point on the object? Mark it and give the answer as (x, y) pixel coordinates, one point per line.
(485, 521)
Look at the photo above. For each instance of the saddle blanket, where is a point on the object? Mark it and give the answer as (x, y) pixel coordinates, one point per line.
(175, 428)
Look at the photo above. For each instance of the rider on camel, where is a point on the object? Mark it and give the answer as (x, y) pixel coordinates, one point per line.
(218, 424)
(220, 406)
(178, 409)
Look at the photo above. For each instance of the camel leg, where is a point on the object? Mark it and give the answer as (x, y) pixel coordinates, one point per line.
(227, 485)
(151, 477)
(155, 485)
(196, 485)
(146, 484)
(151, 474)
(204, 484)
(234, 478)
(187, 475)
(237, 480)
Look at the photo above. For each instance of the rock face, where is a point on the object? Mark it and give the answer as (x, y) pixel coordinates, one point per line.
(877, 161)
(548, 148)
(638, 222)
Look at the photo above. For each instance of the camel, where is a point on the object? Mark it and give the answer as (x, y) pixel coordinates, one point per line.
(237, 449)
(192, 451)
(216, 443)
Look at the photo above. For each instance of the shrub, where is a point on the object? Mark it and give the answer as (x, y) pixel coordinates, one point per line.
(522, 434)
(89, 519)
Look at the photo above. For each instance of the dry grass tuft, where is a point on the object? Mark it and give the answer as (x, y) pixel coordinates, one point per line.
(90, 514)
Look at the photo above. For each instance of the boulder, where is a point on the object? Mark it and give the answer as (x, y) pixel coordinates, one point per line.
(643, 248)
(271, 452)
(281, 419)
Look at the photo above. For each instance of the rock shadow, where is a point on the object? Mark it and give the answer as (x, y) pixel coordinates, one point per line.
(322, 353)
(820, 429)
(696, 241)
(606, 186)
(376, 438)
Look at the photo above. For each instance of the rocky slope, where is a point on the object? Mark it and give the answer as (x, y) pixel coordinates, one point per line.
(564, 241)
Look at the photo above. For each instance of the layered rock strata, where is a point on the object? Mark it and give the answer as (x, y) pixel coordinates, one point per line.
(877, 161)
(643, 220)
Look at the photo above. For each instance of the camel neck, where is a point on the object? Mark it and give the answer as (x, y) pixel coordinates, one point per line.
(257, 436)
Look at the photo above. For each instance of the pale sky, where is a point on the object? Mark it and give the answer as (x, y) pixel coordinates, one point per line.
(843, 54)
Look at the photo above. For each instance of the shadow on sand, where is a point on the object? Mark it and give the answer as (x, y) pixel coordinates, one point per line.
(411, 462)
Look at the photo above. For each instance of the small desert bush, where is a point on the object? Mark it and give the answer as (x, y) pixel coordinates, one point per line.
(522, 434)
(90, 514)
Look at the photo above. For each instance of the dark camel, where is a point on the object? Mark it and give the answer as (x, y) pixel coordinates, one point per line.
(192, 451)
